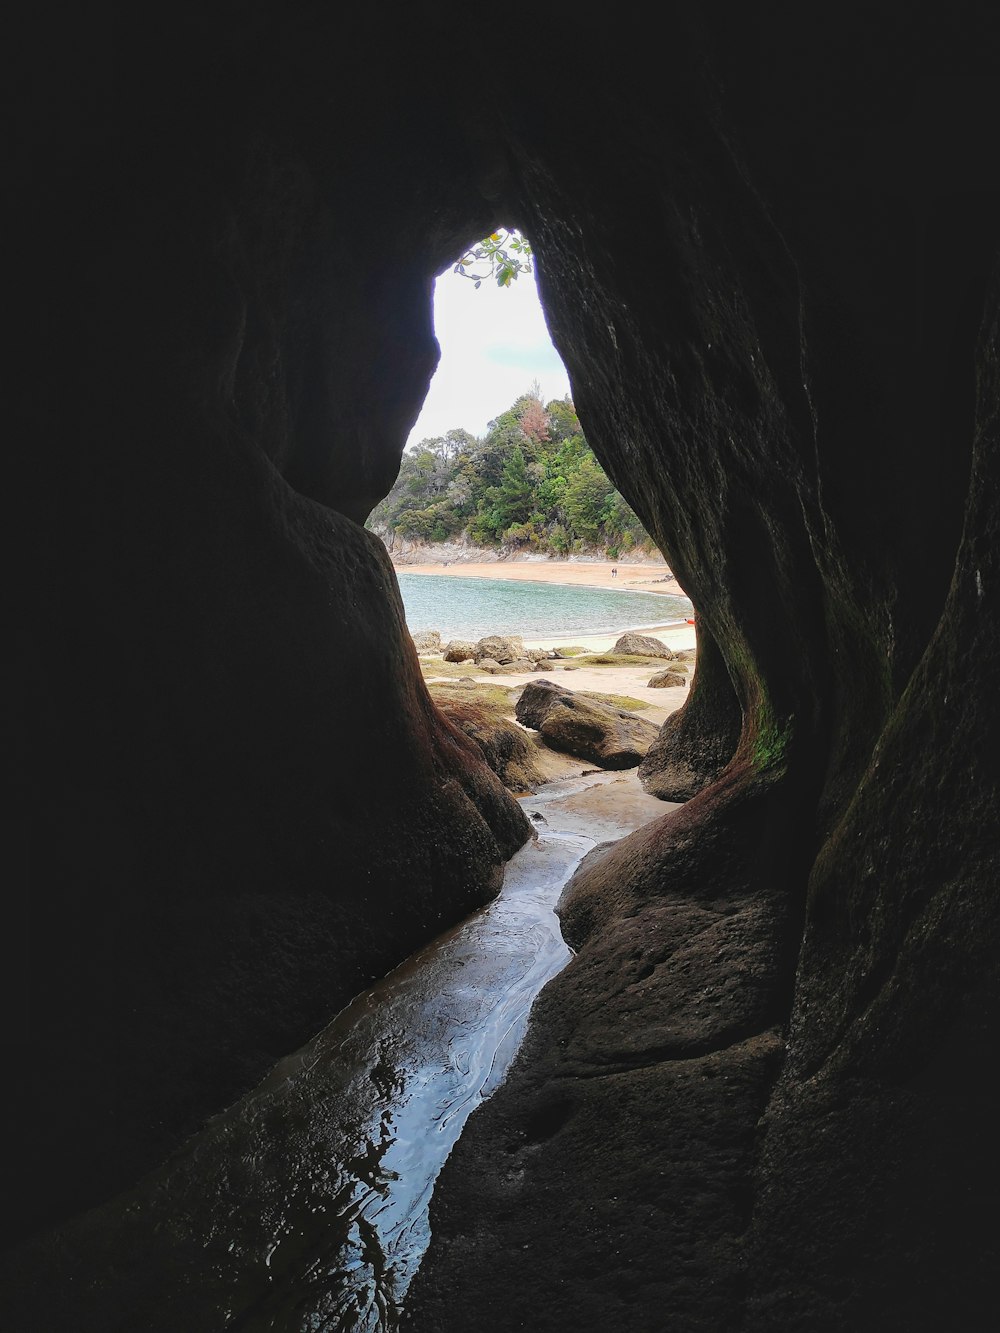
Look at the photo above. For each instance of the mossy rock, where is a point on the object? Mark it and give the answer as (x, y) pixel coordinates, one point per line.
(618, 660)
(483, 712)
(615, 700)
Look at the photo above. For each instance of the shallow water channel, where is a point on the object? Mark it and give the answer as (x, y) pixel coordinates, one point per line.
(305, 1205)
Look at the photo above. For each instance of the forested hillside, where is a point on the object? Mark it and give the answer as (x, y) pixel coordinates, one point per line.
(531, 483)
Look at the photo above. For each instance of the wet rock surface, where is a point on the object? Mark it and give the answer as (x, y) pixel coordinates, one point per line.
(674, 998)
(305, 1204)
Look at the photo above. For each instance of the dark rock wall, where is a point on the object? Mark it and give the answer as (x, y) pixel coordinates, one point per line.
(765, 247)
(767, 267)
(239, 802)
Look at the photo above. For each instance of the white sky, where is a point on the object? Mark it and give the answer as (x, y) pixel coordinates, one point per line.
(494, 343)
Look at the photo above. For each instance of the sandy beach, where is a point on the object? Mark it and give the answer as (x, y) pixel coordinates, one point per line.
(651, 577)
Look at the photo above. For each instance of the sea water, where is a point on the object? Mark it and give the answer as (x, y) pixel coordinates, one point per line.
(468, 608)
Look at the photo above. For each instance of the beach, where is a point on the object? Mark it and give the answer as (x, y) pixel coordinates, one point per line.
(647, 576)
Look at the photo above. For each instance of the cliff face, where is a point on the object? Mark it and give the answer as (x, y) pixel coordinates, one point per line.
(767, 253)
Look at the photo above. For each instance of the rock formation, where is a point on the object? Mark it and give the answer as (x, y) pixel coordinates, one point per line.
(766, 242)
(641, 645)
(584, 727)
(665, 680)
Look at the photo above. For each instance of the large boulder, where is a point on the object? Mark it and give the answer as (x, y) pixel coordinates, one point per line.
(502, 648)
(642, 645)
(583, 727)
(427, 641)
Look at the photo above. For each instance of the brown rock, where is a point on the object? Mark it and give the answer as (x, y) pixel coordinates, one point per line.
(502, 648)
(427, 641)
(506, 748)
(605, 735)
(459, 650)
(664, 680)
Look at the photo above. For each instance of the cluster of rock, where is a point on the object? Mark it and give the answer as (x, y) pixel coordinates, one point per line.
(506, 653)
(644, 645)
(492, 653)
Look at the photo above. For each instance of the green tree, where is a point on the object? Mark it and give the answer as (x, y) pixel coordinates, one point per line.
(515, 500)
(532, 480)
(587, 492)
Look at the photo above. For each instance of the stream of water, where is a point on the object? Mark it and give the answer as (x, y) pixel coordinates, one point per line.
(305, 1205)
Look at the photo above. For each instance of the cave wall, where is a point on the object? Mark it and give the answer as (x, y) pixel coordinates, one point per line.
(753, 1098)
(765, 246)
(239, 805)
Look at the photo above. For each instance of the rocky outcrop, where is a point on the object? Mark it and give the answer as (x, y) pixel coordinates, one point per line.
(586, 728)
(642, 645)
(506, 747)
(698, 740)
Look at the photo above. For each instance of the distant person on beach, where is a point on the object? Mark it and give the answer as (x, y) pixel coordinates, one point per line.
(614, 571)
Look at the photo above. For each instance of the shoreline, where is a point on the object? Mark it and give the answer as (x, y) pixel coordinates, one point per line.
(652, 576)
(649, 577)
(595, 574)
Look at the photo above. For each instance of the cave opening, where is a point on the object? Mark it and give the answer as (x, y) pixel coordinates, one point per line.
(770, 268)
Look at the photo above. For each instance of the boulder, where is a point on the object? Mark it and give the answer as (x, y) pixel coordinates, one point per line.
(427, 641)
(664, 680)
(540, 664)
(535, 700)
(459, 650)
(488, 664)
(642, 645)
(502, 648)
(585, 728)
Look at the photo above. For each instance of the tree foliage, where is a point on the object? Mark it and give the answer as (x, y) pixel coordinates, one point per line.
(531, 482)
(504, 256)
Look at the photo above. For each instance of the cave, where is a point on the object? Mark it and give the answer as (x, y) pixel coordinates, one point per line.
(766, 243)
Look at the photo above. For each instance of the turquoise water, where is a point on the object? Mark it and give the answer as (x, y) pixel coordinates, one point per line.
(462, 608)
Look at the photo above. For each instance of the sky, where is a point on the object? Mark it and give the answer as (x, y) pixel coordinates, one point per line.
(494, 343)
